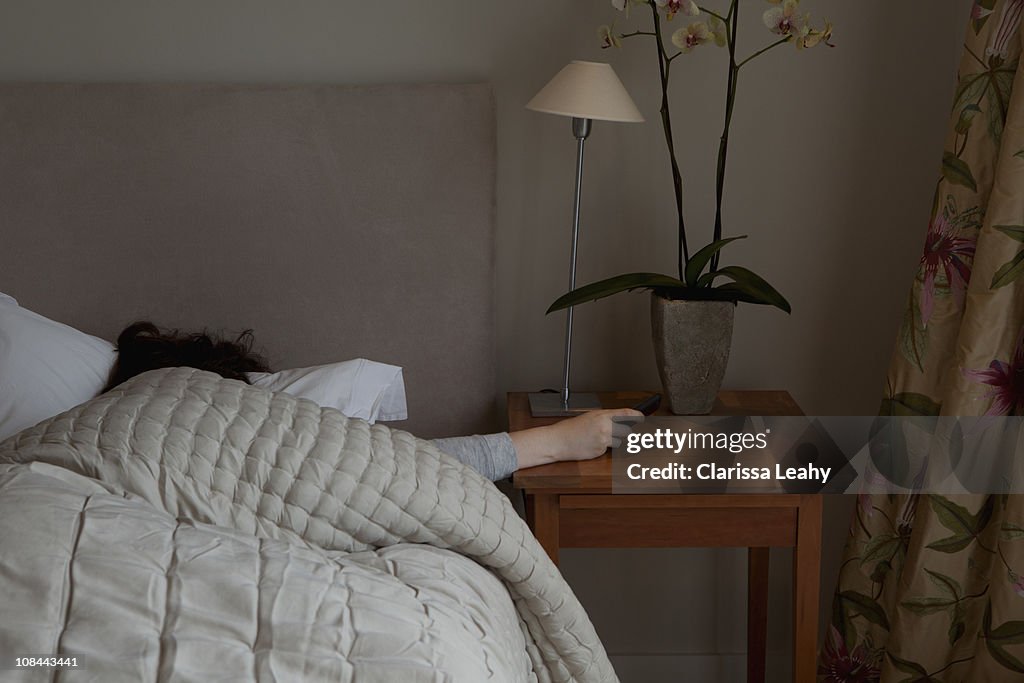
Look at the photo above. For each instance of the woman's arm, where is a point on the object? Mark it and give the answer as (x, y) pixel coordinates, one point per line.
(492, 455)
(497, 456)
(579, 438)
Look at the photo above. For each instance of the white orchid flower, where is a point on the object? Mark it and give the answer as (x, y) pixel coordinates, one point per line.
(693, 35)
(673, 7)
(810, 37)
(785, 20)
(718, 31)
(606, 34)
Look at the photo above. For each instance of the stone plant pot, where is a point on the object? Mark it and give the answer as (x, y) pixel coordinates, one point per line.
(691, 347)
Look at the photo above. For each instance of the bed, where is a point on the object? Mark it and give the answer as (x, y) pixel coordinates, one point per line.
(189, 527)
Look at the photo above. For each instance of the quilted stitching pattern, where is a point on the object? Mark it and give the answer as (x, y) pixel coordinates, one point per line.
(221, 452)
(141, 596)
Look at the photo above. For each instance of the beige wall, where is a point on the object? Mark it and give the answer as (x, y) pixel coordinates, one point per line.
(833, 162)
(834, 154)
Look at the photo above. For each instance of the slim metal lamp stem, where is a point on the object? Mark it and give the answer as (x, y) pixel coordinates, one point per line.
(580, 129)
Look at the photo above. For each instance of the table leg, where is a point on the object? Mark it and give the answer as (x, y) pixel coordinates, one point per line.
(542, 515)
(806, 584)
(757, 613)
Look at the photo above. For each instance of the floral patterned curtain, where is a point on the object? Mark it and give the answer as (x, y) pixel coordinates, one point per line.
(932, 587)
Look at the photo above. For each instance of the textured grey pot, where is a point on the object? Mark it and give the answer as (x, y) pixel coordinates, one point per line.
(691, 347)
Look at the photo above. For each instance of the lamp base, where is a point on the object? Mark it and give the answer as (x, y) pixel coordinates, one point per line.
(549, 404)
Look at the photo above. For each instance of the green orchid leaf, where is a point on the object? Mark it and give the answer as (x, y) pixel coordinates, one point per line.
(956, 171)
(614, 285)
(706, 279)
(740, 292)
(695, 266)
(702, 294)
(735, 291)
(1010, 532)
(1009, 272)
(1014, 231)
(753, 285)
(1020, 154)
(866, 607)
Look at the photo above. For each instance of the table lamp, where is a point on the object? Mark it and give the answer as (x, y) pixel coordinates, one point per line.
(585, 91)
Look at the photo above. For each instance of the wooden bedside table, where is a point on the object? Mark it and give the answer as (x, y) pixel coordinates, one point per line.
(571, 505)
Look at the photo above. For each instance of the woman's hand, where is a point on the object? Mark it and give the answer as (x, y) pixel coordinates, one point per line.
(585, 436)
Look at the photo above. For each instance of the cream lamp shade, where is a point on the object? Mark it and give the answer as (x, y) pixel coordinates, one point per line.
(587, 90)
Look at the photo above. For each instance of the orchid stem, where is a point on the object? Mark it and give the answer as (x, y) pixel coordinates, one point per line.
(763, 50)
(723, 145)
(636, 33)
(716, 15)
(664, 66)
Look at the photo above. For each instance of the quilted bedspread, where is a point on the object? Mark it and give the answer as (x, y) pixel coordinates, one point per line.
(190, 528)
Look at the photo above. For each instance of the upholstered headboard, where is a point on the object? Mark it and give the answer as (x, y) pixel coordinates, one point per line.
(335, 221)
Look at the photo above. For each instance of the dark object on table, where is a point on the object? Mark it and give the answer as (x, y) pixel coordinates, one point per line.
(649, 404)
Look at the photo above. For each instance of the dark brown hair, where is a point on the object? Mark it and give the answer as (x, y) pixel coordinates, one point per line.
(142, 346)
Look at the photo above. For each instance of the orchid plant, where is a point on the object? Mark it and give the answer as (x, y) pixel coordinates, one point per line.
(697, 273)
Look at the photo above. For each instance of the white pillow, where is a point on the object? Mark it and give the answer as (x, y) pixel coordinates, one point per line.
(45, 367)
(358, 388)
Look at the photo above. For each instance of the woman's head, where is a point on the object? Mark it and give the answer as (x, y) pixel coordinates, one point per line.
(142, 346)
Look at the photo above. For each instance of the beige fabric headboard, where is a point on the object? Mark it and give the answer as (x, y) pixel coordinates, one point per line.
(335, 221)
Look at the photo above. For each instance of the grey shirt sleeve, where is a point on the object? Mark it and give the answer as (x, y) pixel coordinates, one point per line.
(492, 455)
